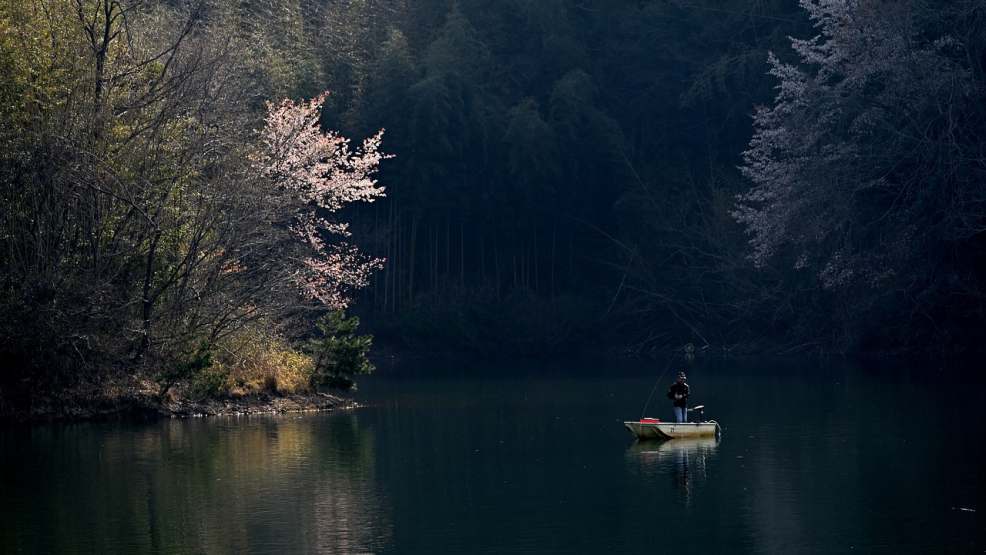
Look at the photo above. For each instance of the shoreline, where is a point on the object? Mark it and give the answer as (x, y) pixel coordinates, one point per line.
(261, 403)
(141, 406)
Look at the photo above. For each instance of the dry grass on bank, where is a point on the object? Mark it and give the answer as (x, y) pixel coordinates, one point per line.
(253, 362)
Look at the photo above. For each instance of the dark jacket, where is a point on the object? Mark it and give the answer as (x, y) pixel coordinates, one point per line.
(681, 388)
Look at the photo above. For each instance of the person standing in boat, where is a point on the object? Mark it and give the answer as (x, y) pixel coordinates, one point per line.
(678, 393)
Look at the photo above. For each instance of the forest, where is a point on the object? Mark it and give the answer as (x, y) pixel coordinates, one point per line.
(193, 191)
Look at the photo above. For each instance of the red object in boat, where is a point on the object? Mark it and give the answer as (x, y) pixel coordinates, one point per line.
(650, 420)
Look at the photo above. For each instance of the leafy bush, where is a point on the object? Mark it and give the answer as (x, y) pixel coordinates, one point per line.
(191, 367)
(210, 382)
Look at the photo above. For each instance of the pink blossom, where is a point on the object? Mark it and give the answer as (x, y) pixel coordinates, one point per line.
(323, 174)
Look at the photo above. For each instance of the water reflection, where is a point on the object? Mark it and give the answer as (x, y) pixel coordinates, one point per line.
(526, 465)
(684, 460)
(293, 484)
(350, 516)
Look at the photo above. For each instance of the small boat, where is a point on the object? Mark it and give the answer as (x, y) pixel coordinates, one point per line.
(651, 428)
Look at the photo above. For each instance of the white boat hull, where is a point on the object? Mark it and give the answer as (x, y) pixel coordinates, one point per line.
(669, 430)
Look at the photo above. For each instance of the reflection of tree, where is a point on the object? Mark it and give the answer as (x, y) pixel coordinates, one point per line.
(777, 515)
(293, 484)
(347, 511)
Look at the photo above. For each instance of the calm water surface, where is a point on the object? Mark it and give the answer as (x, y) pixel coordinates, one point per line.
(526, 458)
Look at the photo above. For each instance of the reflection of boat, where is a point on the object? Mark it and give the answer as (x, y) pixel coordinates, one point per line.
(661, 450)
(650, 429)
(685, 461)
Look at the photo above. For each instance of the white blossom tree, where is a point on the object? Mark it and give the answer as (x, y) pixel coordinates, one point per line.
(867, 159)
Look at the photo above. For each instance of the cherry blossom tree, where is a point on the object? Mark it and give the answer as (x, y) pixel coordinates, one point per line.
(321, 173)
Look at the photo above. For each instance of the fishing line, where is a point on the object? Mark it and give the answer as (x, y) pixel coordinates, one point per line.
(653, 389)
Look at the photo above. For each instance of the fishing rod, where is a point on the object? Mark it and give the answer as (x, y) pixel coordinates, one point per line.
(653, 389)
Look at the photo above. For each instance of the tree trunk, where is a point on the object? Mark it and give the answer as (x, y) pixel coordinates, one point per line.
(147, 303)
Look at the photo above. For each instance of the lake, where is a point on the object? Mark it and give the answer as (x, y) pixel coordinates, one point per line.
(526, 458)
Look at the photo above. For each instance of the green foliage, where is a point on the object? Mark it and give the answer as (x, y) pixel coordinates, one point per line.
(563, 169)
(192, 367)
(136, 234)
(459, 49)
(212, 381)
(533, 158)
(339, 353)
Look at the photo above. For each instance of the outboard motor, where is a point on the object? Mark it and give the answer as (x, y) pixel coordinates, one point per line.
(698, 413)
